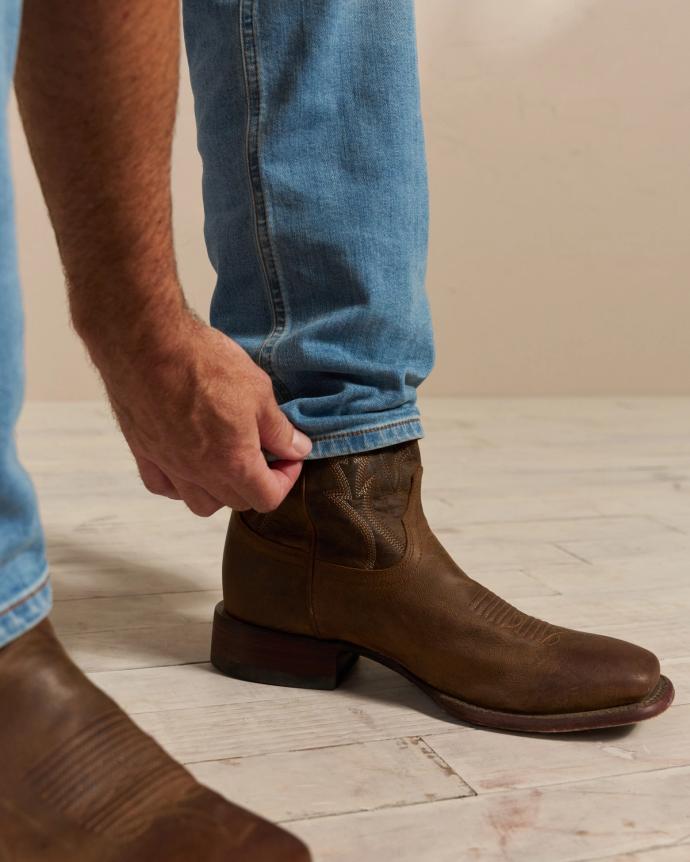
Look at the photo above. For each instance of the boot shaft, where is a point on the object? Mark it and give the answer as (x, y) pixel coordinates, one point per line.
(345, 515)
(346, 509)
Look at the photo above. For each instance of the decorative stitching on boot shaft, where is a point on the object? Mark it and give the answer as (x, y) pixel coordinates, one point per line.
(355, 503)
(370, 492)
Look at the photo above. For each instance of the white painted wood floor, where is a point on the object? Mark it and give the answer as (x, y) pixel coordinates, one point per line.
(577, 510)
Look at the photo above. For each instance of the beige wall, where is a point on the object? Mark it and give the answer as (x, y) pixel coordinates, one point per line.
(558, 136)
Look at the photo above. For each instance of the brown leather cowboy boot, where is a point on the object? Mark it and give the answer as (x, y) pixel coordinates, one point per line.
(348, 566)
(79, 782)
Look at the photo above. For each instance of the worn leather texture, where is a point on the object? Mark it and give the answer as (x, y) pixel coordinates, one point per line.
(370, 572)
(80, 781)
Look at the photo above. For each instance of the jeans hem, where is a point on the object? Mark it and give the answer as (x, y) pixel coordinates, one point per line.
(365, 439)
(27, 612)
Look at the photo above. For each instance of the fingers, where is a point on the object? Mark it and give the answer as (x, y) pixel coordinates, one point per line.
(154, 479)
(278, 436)
(262, 485)
(199, 501)
(204, 503)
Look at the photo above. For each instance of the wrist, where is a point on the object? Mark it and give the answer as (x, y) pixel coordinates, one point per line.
(132, 327)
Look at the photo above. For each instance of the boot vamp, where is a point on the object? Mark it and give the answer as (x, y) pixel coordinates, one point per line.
(457, 636)
(205, 826)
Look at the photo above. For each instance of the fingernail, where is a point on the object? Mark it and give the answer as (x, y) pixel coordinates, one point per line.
(301, 443)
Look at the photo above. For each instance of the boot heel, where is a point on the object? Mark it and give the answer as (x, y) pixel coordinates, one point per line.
(263, 655)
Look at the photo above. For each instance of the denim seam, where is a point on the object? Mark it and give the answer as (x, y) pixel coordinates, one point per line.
(267, 257)
(337, 435)
(33, 591)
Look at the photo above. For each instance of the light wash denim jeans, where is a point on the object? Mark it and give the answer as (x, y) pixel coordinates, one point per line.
(24, 587)
(315, 196)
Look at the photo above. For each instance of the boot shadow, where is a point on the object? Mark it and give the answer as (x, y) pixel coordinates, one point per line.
(116, 612)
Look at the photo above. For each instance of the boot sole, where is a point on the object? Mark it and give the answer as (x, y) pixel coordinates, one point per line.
(249, 652)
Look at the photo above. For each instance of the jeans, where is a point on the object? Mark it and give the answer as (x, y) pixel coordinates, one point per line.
(315, 199)
(24, 587)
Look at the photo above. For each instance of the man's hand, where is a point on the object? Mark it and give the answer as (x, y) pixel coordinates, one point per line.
(196, 411)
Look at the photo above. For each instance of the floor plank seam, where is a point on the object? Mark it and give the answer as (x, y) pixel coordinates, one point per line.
(478, 798)
(64, 599)
(572, 554)
(136, 667)
(576, 781)
(390, 807)
(445, 766)
(681, 842)
(273, 752)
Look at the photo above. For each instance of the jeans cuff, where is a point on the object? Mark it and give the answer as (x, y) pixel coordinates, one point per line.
(26, 612)
(365, 439)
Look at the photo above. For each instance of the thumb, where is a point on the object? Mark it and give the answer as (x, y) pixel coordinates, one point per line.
(279, 437)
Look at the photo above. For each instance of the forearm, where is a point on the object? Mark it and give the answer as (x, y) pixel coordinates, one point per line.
(97, 89)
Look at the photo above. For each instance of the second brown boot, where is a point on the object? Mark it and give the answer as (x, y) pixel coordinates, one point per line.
(348, 566)
(80, 782)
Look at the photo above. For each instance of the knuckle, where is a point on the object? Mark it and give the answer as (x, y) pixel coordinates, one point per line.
(232, 497)
(241, 467)
(154, 486)
(264, 384)
(202, 508)
(267, 501)
(148, 484)
(277, 422)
